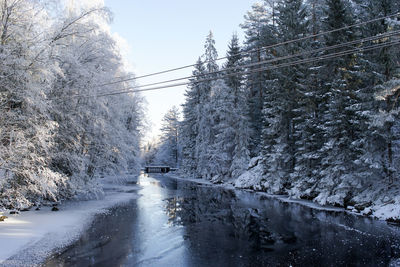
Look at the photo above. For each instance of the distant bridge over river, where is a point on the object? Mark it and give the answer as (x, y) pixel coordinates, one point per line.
(158, 169)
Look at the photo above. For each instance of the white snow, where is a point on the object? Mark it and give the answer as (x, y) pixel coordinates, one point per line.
(384, 203)
(306, 203)
(251, 178)
(34, 235)
(388, 211)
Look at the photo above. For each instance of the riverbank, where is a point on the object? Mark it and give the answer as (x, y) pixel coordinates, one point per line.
(29, 237)
(386, 207)
(378, 199)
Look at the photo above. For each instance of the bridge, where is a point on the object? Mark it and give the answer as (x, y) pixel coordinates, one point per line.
(158, 169)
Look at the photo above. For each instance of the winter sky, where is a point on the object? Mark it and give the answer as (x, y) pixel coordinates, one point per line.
(161, 35)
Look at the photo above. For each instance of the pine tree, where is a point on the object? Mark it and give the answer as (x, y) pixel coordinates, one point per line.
(310, 105)
(282, 99)
(221, 148)
(381, 66)
(169, 148)
(190, 123)
(206, 134)
(258, 34)
(239, 120)
(340, 124)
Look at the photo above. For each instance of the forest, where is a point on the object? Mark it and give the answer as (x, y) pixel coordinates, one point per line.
(308, 106)
(55, 136)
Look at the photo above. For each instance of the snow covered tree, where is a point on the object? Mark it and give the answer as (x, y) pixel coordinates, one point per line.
(206, 132)
(25, 128)
(239, 114)
(190, 121)
(326, 130)
(340, 121)
(53, 142)
(382, 67)
(169, 150)
(259, 33)
(292, 24)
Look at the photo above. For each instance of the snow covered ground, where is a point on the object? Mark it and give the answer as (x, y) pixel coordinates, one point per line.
(30, 237)
(379, 201)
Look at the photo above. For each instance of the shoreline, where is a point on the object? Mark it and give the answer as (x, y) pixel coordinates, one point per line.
(28, 238)
(287, 199)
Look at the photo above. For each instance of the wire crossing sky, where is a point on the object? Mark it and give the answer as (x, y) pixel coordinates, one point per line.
(166, 34)
(262, 62)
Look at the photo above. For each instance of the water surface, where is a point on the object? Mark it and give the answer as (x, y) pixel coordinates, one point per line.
(181, 223)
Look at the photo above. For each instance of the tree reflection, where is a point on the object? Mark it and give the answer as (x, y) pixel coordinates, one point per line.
(267, 229)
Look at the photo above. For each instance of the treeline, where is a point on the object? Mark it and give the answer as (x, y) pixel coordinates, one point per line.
(166, 149)
(55, 137)
(324, 129)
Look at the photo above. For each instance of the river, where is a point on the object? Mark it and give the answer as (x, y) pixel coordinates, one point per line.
(180, 223)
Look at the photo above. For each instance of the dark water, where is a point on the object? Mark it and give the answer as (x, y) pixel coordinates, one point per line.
(178, 223)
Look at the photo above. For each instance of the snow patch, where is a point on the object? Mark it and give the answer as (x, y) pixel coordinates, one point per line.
(28, 238)
(252, 178)
(388, 211)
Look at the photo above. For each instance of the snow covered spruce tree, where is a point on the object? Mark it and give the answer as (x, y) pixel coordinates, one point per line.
(258, 34)
(329, 127)
(54, 143)
(285, 99)
(340, 122)
(206, 121)
(239, 121)
(381, 143)
(229, 148)
(308, 130)
(168, 151)
(325, 129)
(190, 125)
(215, 125)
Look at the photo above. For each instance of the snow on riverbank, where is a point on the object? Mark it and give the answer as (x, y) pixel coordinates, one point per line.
(29, 237)
(379, 201)
(283, 198)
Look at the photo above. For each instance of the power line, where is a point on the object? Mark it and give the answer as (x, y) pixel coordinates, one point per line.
(310, 60)
(254, 50)
(310, 52)
(304, 61)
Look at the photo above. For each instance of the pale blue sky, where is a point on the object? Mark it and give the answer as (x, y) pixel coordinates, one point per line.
(168, 34)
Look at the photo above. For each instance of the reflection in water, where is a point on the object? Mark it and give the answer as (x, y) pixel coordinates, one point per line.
(179, 223)
(273, 232)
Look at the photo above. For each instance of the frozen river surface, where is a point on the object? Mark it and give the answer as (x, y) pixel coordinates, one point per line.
(180, 223)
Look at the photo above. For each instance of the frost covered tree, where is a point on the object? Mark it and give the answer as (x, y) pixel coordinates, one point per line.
(54, 141)
(215, 130)
(236, 99)
(383, 69)
(340, 122)
(169, 149)
(25, 127)
(190, 122)
(206, 133)
(221, 148)
(325, 130)
(258, 33)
